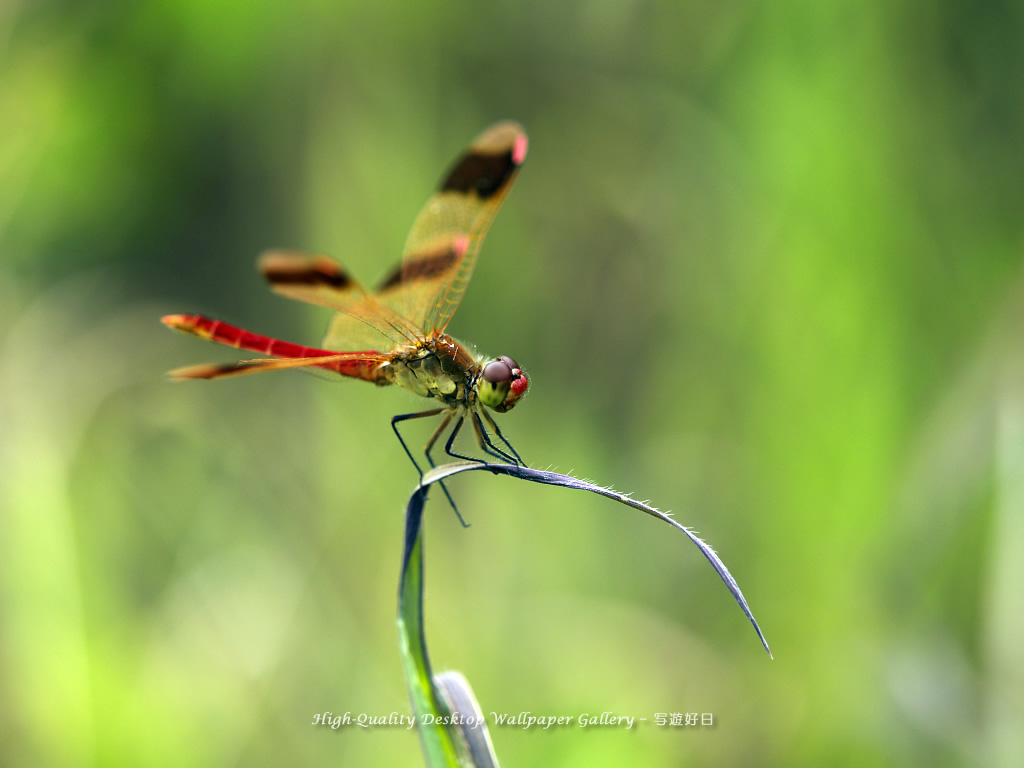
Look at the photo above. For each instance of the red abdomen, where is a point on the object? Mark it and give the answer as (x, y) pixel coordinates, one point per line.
(361, 365)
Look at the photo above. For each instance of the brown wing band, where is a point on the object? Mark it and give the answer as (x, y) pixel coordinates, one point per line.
(481, 174)
(307, 272)
(423, 267)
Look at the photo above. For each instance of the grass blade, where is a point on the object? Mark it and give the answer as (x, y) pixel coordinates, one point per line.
(565, 481)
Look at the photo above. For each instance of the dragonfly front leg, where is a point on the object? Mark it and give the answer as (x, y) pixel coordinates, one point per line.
(494, 426)
(485, 441)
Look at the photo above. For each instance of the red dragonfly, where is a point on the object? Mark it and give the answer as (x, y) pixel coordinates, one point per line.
(396, 335)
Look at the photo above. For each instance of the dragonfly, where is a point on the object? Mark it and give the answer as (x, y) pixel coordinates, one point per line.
(396, 334)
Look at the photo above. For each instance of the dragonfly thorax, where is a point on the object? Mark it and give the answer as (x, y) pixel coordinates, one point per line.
(439, 368)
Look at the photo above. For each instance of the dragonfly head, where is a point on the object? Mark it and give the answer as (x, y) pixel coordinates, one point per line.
(501, 384)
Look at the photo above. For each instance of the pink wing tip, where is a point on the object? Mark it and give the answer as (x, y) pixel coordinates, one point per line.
(519, 149)
(460, 244)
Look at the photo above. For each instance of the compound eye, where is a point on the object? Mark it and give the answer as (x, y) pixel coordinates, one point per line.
(499, 371)
(494, 384)
(508, 361)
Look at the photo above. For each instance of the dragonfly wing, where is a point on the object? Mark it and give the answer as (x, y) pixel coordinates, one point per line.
(312, 278)
(368, 324)
(359, 365)
(442, 246)
(317, 279)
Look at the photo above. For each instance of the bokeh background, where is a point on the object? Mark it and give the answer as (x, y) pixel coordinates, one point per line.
(763, 266)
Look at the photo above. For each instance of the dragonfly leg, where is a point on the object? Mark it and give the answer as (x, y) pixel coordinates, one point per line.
(405, 417)
(485, 441)
(430, 444)
(451, 440)
(437, 433)
(494, 426)
(429, 447)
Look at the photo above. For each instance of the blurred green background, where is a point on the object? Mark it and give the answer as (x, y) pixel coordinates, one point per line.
(763, 266)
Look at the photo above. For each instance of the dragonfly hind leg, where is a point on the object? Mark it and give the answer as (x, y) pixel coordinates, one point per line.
(430, 444)
(395, 420)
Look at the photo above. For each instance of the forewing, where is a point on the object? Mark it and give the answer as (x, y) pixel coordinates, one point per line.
(442, 246)
(364, 322)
